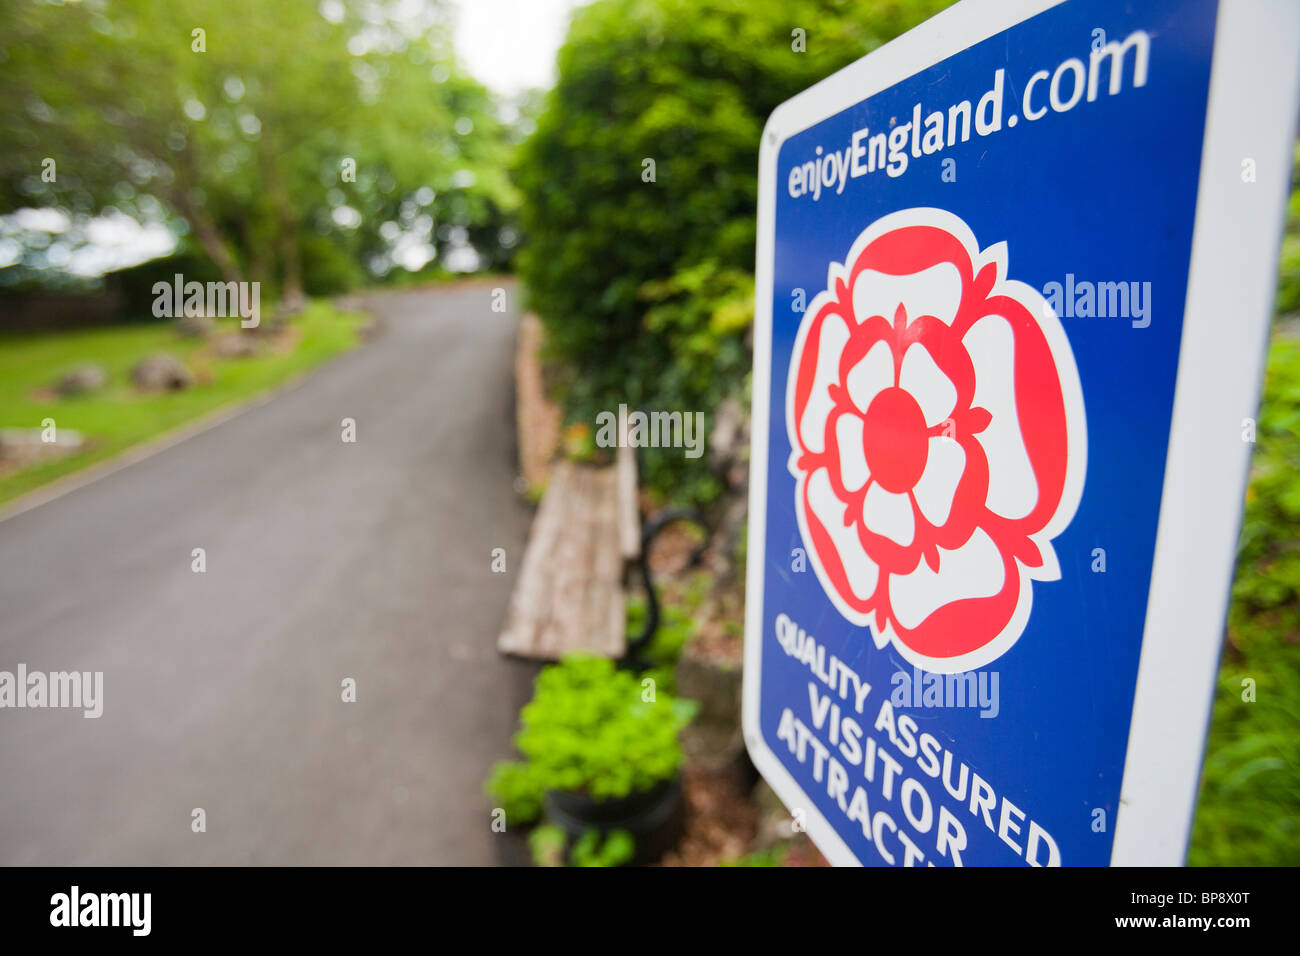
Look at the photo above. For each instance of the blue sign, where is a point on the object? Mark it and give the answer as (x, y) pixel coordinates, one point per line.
(973, 284)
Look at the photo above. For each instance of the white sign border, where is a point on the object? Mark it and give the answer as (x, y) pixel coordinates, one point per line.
(1254, 80)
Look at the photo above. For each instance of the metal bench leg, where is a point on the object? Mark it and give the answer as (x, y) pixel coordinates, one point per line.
(637, 645)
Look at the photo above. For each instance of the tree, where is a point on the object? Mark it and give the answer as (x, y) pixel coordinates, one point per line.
(280, 136)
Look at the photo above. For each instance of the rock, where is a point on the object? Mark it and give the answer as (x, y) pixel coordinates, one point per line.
(285, 311)
(291, 305)
(235, 345)
(195, 326)
(84, 378)
(161, 372)
(20, 447)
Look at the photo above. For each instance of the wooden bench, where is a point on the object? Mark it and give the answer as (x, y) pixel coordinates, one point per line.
(586, 542)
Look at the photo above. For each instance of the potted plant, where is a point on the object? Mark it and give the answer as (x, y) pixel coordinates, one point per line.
(601, 752)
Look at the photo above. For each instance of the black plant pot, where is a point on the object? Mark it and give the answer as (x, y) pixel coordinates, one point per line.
(655, 818)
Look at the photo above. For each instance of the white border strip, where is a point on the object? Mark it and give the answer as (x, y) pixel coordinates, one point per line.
(1254, 97)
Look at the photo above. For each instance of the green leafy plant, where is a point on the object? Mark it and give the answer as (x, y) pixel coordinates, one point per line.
(614, 849)
(588, 729)
(677, 623)
(549, 845)
(514, 786)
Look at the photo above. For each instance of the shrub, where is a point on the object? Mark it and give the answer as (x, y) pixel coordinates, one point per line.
(645, 287)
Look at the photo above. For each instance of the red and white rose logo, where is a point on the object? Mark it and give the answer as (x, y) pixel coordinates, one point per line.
(937, 427)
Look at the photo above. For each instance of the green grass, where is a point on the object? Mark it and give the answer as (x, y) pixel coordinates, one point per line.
(117, 417)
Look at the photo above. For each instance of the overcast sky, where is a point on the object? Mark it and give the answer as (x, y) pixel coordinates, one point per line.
(509, 45)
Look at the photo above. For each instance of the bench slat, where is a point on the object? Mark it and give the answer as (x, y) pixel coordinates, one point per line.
(530, 603)
(569, 595)
(565, 627)
(629, 518)
(605, 611)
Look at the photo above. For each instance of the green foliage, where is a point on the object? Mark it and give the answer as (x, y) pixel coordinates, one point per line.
(645, 287)
(240, 147)
(677, 624)
(699, 315)
(587, 729)
(579, 443)
(614, 849)
(775, 856)
(514, 785)
(1266, 594)
(328, 268)
(548, 844)
(1288, 287)
(1249, 810)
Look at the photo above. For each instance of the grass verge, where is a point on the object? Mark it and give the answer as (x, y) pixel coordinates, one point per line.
(118, 416)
